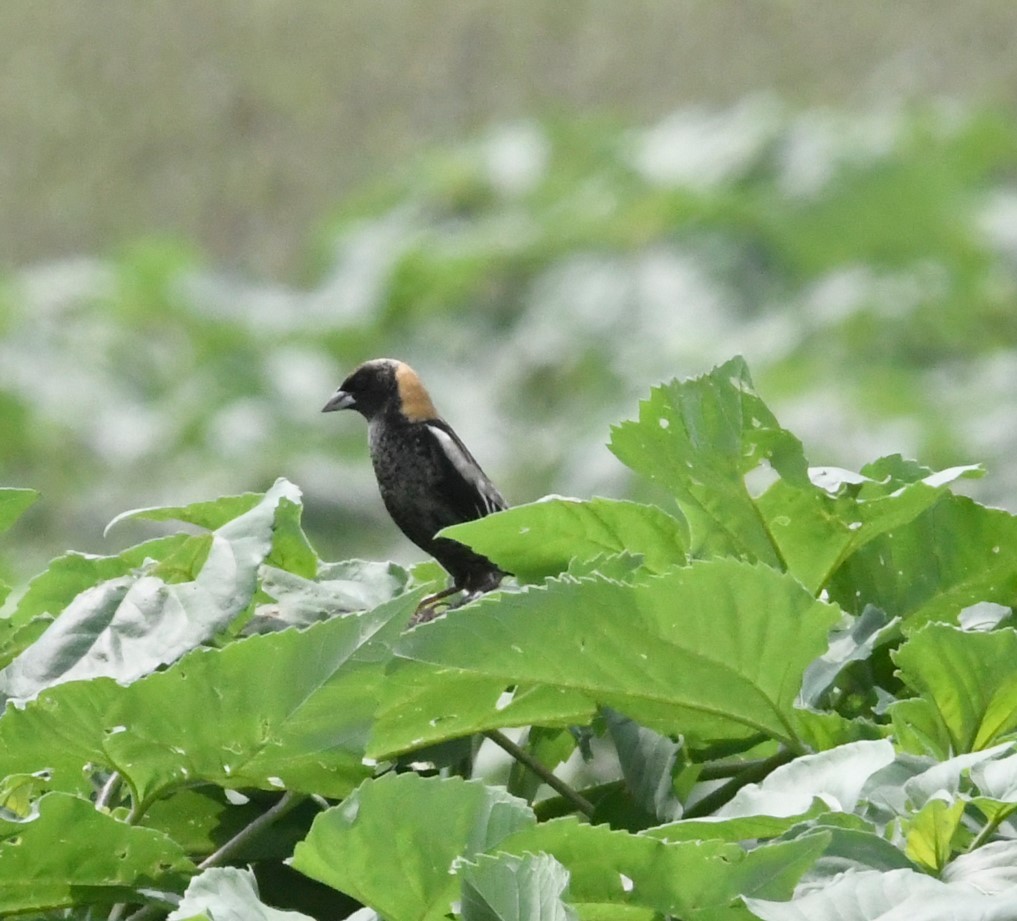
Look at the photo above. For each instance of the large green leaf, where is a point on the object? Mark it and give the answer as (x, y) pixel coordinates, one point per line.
(818, 528)
(966, 683)
(420, 705)
(508, 888)
(392, 843)
(68, 854)
(698, 439)
(128, 626)
(541, 539)
(714, 650)
(59, 732)
(208, 514)
(69, 575)
(951, 556)
(690, 879)
(289, 709)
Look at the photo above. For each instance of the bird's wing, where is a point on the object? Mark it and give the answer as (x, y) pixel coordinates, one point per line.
(463, 485)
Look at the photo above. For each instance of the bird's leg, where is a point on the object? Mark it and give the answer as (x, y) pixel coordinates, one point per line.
(426, 609)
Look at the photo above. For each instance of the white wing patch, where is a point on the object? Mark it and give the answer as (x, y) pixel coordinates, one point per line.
(468, 469)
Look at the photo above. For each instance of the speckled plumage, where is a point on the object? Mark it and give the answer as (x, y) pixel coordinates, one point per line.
(427, 478)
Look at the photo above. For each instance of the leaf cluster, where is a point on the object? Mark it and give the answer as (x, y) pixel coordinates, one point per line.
(790, 694)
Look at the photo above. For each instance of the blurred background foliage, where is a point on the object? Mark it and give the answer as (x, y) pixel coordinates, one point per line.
(211, 212)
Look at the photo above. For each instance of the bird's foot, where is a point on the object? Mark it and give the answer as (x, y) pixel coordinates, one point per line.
(430, 608)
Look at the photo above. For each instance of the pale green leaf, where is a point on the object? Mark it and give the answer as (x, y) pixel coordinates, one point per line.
(897, 895)
(991, 868)
(509, 888)
(128, 626)
(228, 894)
(836, 777)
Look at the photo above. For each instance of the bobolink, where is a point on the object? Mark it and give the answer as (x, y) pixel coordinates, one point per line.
(427, 477)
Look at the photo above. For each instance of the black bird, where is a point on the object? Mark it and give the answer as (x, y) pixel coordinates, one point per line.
(427, 477)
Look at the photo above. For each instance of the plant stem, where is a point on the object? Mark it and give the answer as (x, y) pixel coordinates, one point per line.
(990, 828)
(721, 769)
(287, 802)
(108, 791)
(752, 774)
(527, 760)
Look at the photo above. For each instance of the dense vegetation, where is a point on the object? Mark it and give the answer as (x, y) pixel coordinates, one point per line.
(788, 693)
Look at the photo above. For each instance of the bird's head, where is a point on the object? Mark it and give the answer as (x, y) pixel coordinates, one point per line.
(383, 385)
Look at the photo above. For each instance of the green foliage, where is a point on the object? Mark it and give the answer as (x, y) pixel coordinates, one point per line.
(731, 707)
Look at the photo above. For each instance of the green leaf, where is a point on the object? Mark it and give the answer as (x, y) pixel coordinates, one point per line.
(692, 879)
(61, 732)
(930, 833)
(715, 650)
(228, 894)
(951, 556)
(69, 575)
(291, 549)
(420, 705)
(380, 845)
(818, 528)
(739, 828)
(551, 747)
(210, 515)
(648, 762)
(854, 846)
(15, 639)
(13, 504)
(966, 683)
(698, 439)
(128, 626)
(508, 888)
(541, 539)
(340, 588)
(289, 709)
(202, 819)
(69, 854)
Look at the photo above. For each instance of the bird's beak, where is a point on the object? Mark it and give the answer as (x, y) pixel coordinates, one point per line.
(340, 400)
